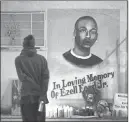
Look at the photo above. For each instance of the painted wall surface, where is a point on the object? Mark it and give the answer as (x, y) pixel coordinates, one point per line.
(60, 39)
(61, 17)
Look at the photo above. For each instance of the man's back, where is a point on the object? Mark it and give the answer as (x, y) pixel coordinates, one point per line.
(33, 73)
(32, 70)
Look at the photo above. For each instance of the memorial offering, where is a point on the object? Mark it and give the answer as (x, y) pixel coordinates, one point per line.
(91, 96)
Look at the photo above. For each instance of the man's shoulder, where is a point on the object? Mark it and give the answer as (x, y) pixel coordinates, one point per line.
(41, 56)
(18, 58)
(96, 58)
(66, 54)
(22, 56)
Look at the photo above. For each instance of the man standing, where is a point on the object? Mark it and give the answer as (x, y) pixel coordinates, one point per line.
(85, 34)
(33, 73)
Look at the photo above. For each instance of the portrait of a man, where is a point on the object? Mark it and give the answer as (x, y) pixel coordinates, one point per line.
(86, 34)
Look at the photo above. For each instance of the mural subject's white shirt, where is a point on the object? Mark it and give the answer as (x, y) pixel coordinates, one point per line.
(64, 70)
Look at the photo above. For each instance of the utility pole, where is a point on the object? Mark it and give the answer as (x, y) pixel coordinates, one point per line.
(118, 65)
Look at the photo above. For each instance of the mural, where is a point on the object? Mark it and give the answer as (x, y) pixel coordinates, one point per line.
(81, 92)
(12, 29)
(15, 110)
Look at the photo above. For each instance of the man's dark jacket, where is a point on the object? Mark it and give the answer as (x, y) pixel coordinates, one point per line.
(33, 73)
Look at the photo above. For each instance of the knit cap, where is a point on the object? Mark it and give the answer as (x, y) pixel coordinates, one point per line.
(29, 42)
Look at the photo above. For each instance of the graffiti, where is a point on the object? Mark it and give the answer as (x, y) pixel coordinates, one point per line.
(15, 98)
(12, 29)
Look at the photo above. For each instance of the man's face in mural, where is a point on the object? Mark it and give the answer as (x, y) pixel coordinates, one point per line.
(86, 33)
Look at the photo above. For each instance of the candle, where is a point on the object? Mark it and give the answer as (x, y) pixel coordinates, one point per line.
(55, 112)
(71, 111)
(65, 112)
(59, 111)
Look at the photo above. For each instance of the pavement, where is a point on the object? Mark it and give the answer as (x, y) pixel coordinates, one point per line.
(19, 119)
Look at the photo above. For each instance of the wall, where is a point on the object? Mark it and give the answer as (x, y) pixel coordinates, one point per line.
(43, 5)
(59, 30)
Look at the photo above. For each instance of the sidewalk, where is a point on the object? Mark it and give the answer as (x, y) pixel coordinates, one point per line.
(19, 119)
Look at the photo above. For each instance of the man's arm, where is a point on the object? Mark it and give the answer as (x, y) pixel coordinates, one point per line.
(20, 74)
(45, 79)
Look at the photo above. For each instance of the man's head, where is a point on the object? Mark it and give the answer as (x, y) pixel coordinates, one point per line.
(29, 42)
(85, 32)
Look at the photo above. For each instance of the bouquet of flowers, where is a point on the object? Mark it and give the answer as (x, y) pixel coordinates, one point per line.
(103, 109)
(91, 96)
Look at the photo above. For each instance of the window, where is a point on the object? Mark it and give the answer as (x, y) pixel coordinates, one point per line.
(15, 26)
